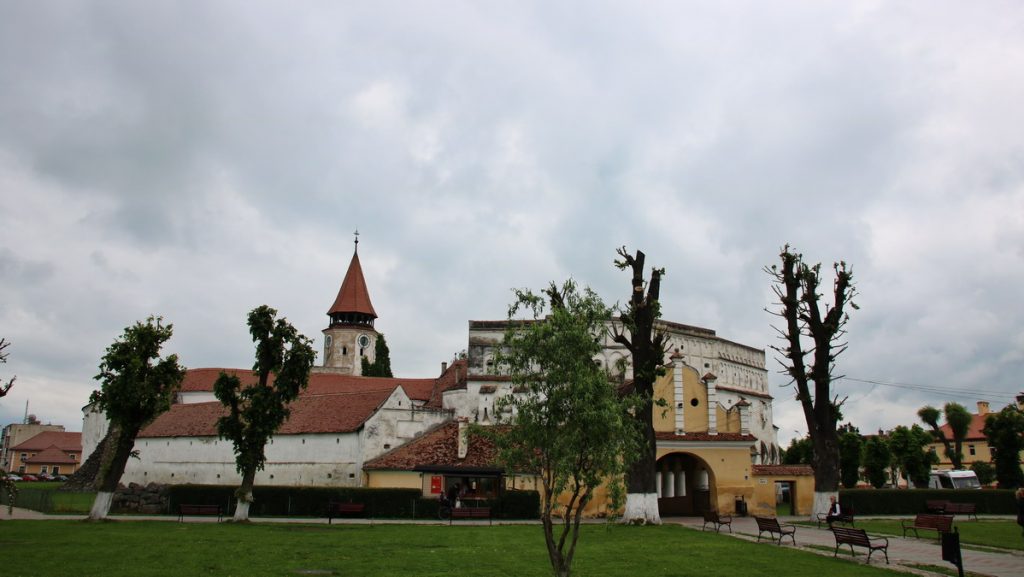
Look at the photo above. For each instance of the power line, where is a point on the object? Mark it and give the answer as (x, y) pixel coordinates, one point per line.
(955, 392)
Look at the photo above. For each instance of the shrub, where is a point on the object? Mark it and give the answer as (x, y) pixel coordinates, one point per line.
(912, 501)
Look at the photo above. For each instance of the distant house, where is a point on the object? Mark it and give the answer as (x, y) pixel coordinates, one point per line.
(52, 452)
(17, 433)
(975, 446)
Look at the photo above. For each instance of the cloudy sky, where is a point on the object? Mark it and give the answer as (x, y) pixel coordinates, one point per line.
(197, 159)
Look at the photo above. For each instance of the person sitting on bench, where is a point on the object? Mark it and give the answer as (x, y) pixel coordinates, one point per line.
(834, 512)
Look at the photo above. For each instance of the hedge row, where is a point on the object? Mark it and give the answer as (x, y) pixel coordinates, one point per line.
(312, 501)
(912, 501)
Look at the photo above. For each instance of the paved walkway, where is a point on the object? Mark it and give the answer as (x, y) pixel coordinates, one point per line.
(902, 551)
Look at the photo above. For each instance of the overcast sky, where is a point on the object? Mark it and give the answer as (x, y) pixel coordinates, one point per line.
(198, 159)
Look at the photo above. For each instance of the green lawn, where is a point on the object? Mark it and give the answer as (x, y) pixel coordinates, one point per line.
(138, 549)
(1001, 533)
(46, 498)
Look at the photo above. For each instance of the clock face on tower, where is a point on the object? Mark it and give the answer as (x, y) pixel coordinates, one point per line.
(363, 341)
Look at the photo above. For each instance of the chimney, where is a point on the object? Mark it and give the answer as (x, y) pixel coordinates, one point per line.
(982, 407)
(463, 438)
(444, 366)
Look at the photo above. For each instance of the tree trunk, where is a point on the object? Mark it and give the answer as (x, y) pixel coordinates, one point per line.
(244, 496)
(111, 469)
(642, 490)
(826, 469)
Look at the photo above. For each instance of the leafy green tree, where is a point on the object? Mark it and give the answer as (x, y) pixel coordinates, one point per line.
(811, 331)
(569, 425)
(381, 365)
(284, 359)
(876, 460)
(136, 387)
(910, 455)
(647, 350)
(959, 421)
(799, 452)
(985, 471)
(850, 445)
(1005, 433)
(6, 484)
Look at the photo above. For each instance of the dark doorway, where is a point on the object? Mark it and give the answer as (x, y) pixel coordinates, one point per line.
(684, 485)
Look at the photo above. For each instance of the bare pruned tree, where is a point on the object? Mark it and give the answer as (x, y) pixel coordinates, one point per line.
(4, 387)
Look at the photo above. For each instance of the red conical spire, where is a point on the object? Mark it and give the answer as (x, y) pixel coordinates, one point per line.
(353, 296)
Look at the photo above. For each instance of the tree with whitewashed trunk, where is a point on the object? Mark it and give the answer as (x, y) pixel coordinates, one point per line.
(284, 360)
(568, 423)
(136, 387)
(809, 331)
(646, 346)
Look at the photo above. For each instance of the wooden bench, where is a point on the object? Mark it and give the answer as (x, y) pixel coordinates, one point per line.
(935, 506)
(846, 517)
(343, 510)
(859, 537)
(717, 520)
(471, 513)
(772, 527)
(967, 509)
(200, 510)
(938, 523)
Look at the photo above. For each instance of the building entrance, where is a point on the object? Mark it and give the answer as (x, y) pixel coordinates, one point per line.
(685, 485)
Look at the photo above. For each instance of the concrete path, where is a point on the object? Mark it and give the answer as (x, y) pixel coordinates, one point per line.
(902, 551)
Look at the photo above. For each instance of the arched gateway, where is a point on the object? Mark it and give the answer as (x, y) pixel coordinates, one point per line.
(686, 485)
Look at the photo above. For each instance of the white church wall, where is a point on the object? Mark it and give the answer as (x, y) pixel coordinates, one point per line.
(94, 428)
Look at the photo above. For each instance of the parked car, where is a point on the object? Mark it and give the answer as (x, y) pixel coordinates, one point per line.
(45, 477)
(14, 477)
(953, 480)
(29, 478)
(61, 478)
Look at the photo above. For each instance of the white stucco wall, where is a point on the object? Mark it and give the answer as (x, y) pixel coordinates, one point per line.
(94, 428)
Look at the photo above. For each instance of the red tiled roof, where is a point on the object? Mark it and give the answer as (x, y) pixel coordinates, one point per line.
(353, 296)
(454, 377)
(201, 380)
(438, 447)
(794, 470)
(52, 455)
(336, 412)
(704, 437)
(974, 432)
(71, 442)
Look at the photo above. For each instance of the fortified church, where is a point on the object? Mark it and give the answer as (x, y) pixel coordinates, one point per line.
(716, 442)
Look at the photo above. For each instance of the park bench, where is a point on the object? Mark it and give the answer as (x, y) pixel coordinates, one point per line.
(717, 520)
(471, 513)
(200, 510)
(859, 537)
(772, 527)
(846, 517)
(335, 509)
(938, 523)
(936, 506)
(966, 509)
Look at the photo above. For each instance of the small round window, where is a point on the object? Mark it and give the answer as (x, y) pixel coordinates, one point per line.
(694, 402)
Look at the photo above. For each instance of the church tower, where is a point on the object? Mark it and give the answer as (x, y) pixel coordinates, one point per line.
(350, 336)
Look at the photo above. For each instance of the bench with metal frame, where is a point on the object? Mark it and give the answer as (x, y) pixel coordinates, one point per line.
(771, 526)
(859, 537)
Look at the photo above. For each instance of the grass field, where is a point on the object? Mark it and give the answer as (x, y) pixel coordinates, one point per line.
(46, 498)
(59, 548)
(1001, 533)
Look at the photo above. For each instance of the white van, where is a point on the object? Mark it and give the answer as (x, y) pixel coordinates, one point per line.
(953, 480)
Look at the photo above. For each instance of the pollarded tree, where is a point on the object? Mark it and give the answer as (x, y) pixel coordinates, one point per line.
(6, 484)
(569, 425)
(381, 365)
(959, 420)
(4, 387)
(136, 386)
(1005, 433)
(850, 445)
(910, 455)
(876, 460)
(284, 359)
(812, 332)
(647, 350)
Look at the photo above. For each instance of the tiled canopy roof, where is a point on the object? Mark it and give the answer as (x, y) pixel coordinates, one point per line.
(353, 296)
(201, 380)
(71, 442)
(437, 448)
(52, 455)
(794, 470)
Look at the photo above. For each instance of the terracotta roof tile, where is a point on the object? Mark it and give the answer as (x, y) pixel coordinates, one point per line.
(454, 377)
(201, 380)
(64, 441)
(437, 448)
(353, 296)
(52, 455)
(794, 470)
(974, 431)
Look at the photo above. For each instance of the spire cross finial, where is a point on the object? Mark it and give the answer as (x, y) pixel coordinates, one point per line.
(357, 239)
